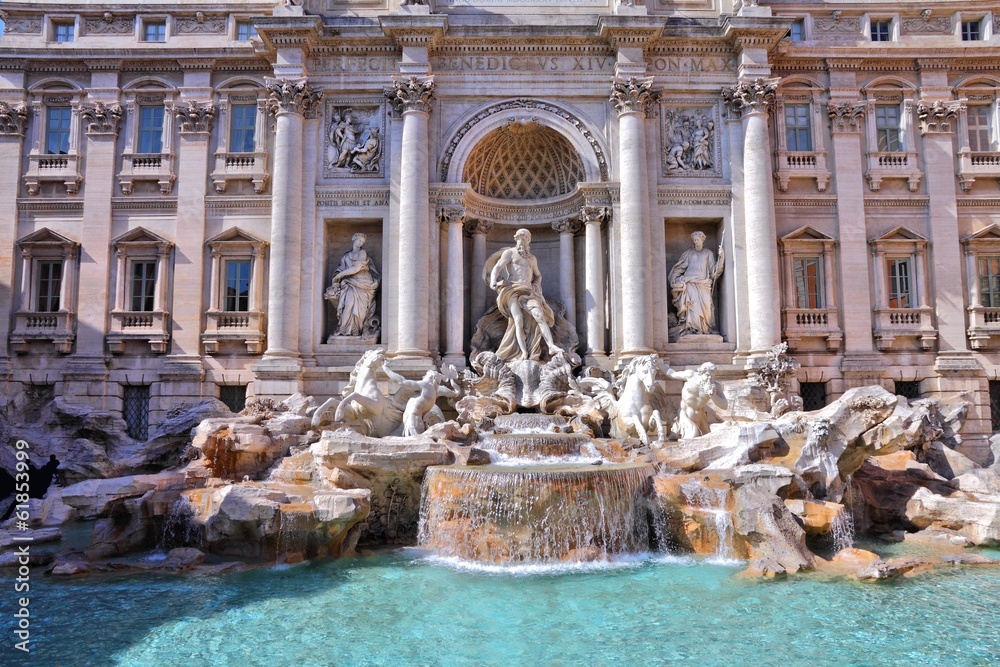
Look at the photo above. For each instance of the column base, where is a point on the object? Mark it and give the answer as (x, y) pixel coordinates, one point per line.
(455, 359)
(277, 377)
(957, 361)
(626, 356)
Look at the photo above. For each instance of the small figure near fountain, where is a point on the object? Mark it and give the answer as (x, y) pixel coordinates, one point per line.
(699, 388)
(692, 282)
(518, 283)
(353, 291)
(421, 410)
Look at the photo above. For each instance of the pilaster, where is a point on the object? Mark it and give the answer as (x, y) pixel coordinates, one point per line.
(13, 121)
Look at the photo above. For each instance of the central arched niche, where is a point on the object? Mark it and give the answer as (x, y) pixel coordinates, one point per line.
(523, 160)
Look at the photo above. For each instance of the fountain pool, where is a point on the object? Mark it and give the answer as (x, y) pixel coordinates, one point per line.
(406, 608)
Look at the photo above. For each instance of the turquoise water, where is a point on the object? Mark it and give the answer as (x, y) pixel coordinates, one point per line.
(400, 608)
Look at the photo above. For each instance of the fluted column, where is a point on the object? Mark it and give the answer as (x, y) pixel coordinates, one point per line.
(593, 217)
(454, 287)
(633, 99)
(754, 101)
(478, 229)
(413, 99)
(288, 101)
(567, 265)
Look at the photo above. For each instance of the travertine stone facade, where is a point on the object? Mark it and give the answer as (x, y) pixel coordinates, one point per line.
(181, 185)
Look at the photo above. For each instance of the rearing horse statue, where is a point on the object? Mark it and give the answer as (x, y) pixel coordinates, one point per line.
(633, 414)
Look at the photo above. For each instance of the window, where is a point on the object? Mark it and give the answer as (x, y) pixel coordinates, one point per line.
(888, 129)
(57, 130)
(135, 410)
(881, 31)
(972, 31)
(49, 287)
(980, 131)
(995, 405)
(808, 282)
(237, 285)
(899, 273)
(813, 395)
(798, 31)
(143, 286)
(245, 30)
(989, 281)
(154, 31)
(241, 129)
(234, 396)
(63, 31)
(798, 133)
(150, 129)
(909, 390)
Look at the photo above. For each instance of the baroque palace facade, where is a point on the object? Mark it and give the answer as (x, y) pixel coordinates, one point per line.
(182, 183)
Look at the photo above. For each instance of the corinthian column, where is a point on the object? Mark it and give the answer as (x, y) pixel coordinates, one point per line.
(288, 100)
(567, 265)
(592, 217)
(633, 99)
(754, 101)
(478, 229)
(413, 99)
(454, 288)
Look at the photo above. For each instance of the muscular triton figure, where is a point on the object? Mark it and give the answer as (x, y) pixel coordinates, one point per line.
(518, 284)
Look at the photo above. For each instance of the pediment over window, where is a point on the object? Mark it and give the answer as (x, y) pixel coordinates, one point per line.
(235, 236)
(806, 233)
(46, 238)
(140, 236)
(900, 233)
(991, 233)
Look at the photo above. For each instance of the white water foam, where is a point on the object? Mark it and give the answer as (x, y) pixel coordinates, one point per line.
(618, 562)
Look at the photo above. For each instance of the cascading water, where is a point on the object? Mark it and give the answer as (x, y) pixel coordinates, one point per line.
(712, 501)
(178, 528)
(535, 513)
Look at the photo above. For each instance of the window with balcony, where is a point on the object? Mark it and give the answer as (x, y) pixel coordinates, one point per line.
(810, 310)
(890, 136)
(46, 312)
(54, 136)
(154, 30)
(982, 253)
(241, 154)
(140, 316)
(881, 30)
(245, 30)
(57, 130)
(235, 314)
(63, 31)
(800, 133)
(903, 315)
(148, 132)
(978, 139)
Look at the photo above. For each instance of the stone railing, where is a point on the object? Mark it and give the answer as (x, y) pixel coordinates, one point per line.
(152, 327)
(802, 164)
(802, 323)
(240, 167)
(58, 328)
(246, 327)
(44, 168)
(893, 323)
(147, 167)
(893, 164)
(983, 324)
(977, 165)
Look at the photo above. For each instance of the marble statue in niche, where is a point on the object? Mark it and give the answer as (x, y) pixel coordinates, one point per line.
(689, 146)
(354, 141)
(514, 274)
(353, 290)
(692, 285)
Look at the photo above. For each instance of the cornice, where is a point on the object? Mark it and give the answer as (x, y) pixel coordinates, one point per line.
(378, 196)
(414, 30)
(216, 202)
(897, 201)
(991, 202)
(814, 200)
(143, 204)
(282, 32)
(61, 205)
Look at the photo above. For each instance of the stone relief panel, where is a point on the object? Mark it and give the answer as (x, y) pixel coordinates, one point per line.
(690, 137)
(354, 139)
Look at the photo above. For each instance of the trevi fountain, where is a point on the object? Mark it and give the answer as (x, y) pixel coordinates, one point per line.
(527, 510)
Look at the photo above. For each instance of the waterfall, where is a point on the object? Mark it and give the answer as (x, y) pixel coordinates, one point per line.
(712, 501)
(535, 513)
(843, 530)
(533, 445)
(294, 522)
(178, 528)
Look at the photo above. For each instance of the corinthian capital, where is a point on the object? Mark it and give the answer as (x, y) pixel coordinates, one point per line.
(634, 95)
(195, 117)
(939, 115)
(291, 96)
(101, 118)
(747, 97)
(846, 116)
(449, 215)
(414, 94)
(567, 226)
(593, 215)
(474, 226)
(13, 119)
